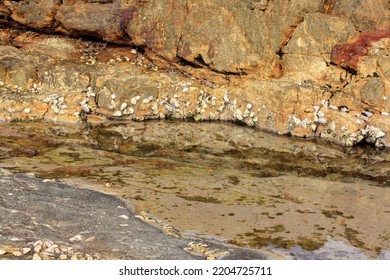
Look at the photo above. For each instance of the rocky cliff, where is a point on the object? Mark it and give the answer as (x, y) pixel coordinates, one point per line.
(318, 68)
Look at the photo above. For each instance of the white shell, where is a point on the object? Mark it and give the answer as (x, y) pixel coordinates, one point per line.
(380, 134)
(26, 110)
(123, 106)
(133, 100)
(117, 114)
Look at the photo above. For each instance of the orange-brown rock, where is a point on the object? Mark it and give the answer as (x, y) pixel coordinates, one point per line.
(307, 68)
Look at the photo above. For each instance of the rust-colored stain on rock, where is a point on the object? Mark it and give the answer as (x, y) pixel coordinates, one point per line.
(348, 55)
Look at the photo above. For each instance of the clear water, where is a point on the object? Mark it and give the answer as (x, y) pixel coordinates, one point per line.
(298, 198)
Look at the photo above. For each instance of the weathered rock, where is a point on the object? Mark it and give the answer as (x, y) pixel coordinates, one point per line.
(365, 15)
(16, 69)
(158, 25)
(318, 33)
(57, 48)
(43, 16)
(103, 19)
(240, 40)
(223, 50)
(372, 92)
(301, 67)
(284, 58)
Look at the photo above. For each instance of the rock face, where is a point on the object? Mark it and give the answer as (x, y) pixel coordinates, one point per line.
(225, 36)
(308, 68)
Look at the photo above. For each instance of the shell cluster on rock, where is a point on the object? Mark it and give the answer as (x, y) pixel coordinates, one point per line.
(57, 103)
(204, 250)
(48, 250)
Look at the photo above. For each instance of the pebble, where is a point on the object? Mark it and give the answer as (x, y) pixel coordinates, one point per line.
(124, 217)
(36, 257)
(63, 257)
(2, 252)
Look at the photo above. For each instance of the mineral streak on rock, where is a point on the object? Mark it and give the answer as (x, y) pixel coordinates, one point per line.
(348, 55)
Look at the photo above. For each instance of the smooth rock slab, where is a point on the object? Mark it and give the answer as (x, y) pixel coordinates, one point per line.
(55, 211)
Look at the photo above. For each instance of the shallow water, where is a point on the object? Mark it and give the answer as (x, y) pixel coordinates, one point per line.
(298, 198)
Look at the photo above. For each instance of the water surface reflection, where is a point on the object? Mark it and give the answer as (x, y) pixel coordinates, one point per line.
(304, 199)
